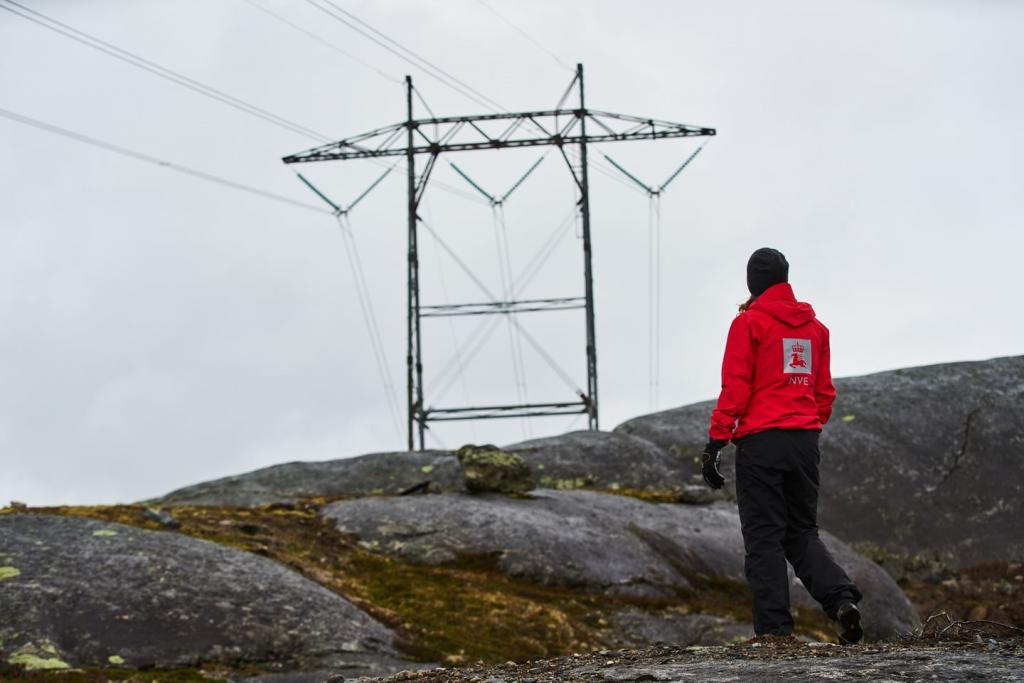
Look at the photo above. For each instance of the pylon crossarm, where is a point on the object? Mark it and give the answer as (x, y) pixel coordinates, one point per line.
(505, 411)
(503, 307)
(467, 133)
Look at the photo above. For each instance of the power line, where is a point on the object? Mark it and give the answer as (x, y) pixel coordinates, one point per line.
(426, 66)
(398, 44)
(409, 57)
(526, 35)
(140, 156)
(370, 319)
(322, 41)
(161, 71)
(186, 82)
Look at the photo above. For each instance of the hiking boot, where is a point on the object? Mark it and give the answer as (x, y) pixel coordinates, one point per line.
(848, 618)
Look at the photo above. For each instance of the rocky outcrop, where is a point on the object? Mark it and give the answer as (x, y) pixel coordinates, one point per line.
(83, 593)
(604, 460)
(570, 461)
(918, 461)
(490, 469)
(373, 474)
(594, 542)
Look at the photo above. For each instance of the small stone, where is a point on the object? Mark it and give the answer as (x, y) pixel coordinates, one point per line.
(161, 517)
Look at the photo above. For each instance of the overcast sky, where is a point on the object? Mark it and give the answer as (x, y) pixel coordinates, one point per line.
(157, 330)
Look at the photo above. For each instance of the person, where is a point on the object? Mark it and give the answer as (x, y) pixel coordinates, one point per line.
(777, 393)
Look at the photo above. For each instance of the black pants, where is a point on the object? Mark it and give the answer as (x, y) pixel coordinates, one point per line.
(777, 490)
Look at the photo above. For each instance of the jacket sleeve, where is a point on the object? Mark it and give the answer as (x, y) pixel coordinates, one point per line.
(824, 390)
(737, 380)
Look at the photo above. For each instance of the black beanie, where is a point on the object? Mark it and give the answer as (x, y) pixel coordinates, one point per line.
(765, 268)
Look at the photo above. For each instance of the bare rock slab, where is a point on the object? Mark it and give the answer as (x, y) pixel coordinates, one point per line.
(600, 460)
(373, 474)
(595, 542)
(920, 460)
(87, 593)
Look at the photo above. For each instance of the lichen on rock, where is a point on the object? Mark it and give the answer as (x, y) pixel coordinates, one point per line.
(490, 469)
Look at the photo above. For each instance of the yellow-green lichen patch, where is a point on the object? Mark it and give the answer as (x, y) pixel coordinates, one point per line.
(103, 533)
(427, 469)
(31, 662)
(9, 573)
(849, 418)
(115, 659)
(565, 484)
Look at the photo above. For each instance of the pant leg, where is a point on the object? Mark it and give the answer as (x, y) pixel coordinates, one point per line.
(762, 507)
(824, 579)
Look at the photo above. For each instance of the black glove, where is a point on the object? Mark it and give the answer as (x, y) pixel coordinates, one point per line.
(710, 459)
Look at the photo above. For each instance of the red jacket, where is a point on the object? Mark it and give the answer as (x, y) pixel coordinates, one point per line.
(776, 369)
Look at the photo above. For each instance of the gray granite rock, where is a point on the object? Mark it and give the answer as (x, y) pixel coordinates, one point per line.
(919, 461)
(574, 460)
(600, 460)
(635, 627)
(595, 542)
(81, 592)
(376, 473)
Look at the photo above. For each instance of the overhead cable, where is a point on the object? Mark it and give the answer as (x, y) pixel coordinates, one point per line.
(322, 41)
(160, 71)
(425, 61)
(370, 320)
(415, 60)
(526, 35)
(124, 151)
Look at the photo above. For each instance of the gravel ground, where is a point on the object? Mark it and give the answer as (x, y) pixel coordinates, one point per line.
(985, 661)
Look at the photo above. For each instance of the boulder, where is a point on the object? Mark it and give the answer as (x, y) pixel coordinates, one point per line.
(921, 461)
(84, 593)
(595, 542)
(490, 469)
(609, 460)
(373, 474)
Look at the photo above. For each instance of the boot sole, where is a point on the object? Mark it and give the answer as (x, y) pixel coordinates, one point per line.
(852, 631)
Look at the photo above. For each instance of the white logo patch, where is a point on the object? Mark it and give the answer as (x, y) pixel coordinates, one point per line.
(796, 356)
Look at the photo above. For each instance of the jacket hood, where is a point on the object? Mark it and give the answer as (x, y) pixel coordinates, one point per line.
(779, 302)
